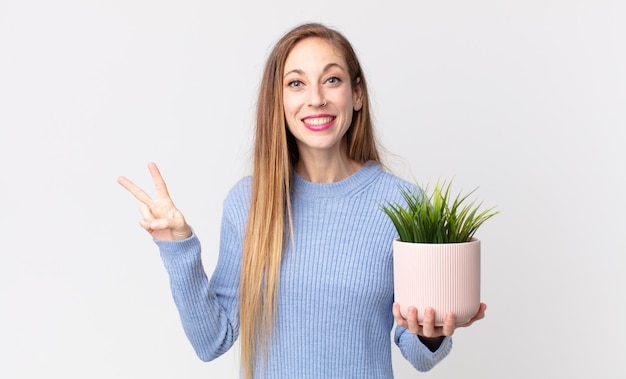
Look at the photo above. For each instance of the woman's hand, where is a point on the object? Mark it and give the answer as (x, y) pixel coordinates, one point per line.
(159, 216)
(428, 328)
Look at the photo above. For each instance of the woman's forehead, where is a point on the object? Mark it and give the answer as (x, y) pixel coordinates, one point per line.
(311, 52)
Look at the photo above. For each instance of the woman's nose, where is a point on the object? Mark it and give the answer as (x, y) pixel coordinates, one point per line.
(317, 97)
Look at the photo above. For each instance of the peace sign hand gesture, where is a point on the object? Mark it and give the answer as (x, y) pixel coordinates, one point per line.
(159, 216)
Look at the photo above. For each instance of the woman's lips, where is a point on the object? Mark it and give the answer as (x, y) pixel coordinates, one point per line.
(318, 123)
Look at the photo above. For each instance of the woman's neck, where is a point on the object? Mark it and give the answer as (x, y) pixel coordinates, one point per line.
(320, 169)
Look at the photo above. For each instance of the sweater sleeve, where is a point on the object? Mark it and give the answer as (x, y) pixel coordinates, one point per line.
(417, 353)
(208, 309)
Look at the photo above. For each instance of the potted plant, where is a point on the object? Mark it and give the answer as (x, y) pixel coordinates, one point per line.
(436, 259)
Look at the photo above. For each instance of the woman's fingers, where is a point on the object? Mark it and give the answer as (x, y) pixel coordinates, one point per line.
(146, 213)
(139, 194)
(159, 183)
(428, 326)
(479, 315)
(410, 322)
(398, 316)
(414, 325)
(154, 222)
(159, 216)
(449, 324)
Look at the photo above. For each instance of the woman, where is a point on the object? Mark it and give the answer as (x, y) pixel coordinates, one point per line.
(304, 276)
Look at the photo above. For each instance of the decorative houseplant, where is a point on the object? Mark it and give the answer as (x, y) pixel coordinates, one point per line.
(436, 257)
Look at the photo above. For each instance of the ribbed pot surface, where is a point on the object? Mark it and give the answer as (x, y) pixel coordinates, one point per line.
(445, 277)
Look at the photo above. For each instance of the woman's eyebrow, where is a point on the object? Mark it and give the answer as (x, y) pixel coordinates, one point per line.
(326, 68)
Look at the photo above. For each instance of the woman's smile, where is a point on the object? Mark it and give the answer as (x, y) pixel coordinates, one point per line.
(318, 123)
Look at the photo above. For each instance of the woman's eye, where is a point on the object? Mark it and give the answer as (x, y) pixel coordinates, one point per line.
(295, 83)
(333, 80)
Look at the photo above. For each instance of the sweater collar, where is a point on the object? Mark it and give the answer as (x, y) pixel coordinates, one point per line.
(364, 175)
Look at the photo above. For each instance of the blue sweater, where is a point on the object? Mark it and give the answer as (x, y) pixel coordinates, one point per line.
(336, 288)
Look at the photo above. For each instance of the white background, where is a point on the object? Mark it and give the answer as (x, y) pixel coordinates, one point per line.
(524, 99)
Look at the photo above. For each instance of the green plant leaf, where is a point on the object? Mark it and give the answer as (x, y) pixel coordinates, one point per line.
(436, 218)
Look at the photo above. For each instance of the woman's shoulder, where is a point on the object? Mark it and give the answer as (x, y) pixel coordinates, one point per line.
(237, 201)
(243, 185)
(387, 178)
(378, 183)
(240, 191)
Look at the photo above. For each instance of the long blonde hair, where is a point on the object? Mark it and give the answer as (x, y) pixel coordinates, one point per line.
(275, 156)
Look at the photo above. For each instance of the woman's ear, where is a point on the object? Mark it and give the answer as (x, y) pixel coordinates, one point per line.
(357, 95)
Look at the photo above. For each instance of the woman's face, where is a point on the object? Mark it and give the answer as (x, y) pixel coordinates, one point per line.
(318, 97)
